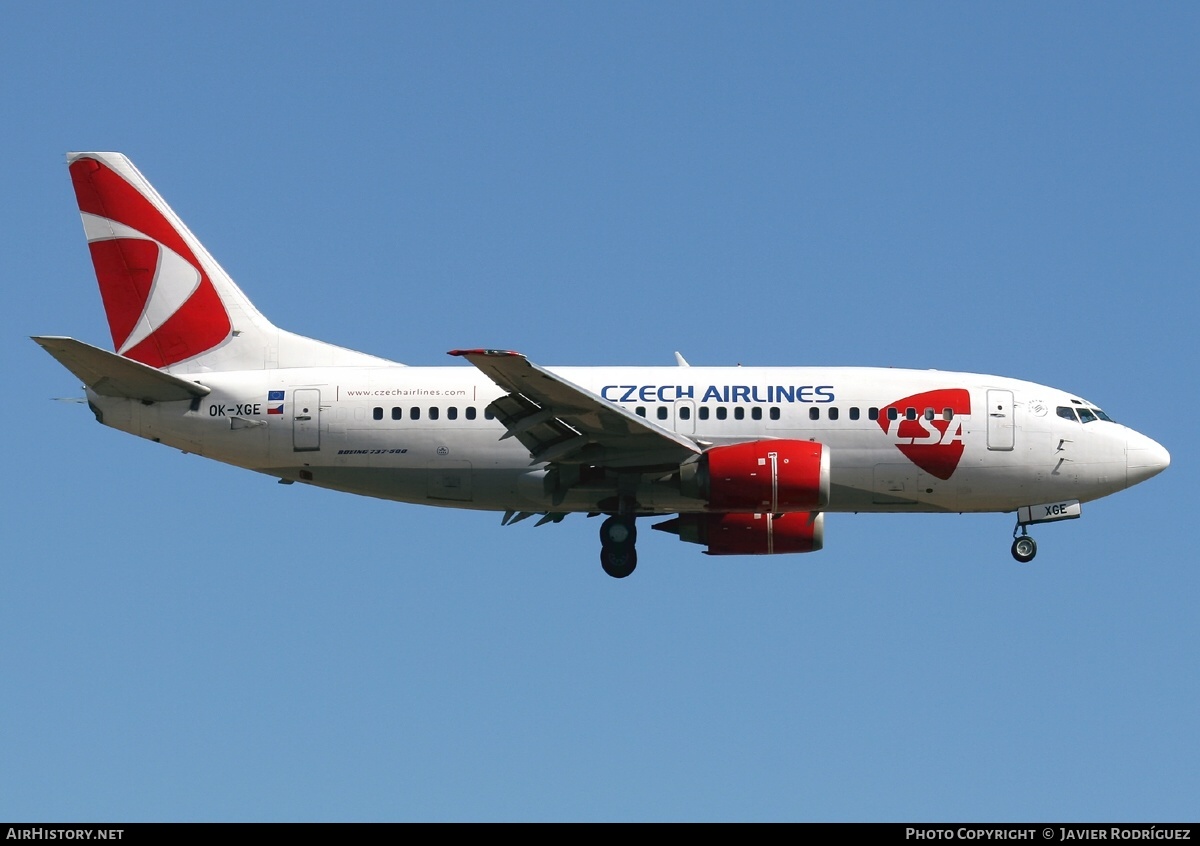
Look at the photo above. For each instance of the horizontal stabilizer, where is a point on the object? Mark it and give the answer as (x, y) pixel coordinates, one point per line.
(112, 375)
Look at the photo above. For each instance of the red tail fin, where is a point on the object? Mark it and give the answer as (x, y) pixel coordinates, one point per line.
(161, 304)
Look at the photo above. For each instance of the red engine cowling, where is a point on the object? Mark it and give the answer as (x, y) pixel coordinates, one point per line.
(750, 534)
(763, 476)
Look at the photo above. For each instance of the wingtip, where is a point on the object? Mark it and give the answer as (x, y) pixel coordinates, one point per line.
(483, 352)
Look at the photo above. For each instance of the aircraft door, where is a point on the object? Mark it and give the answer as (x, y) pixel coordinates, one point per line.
(306, 420)
(1000, 428)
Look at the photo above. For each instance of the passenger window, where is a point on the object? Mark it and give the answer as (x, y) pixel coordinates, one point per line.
(1066, 412)
(833, 414)
(685, 413)
(774, 412)
(947, 413)
(396, 413)
(1086, 416)
(452, 413)
(415, 414)
(377, 413)
(470, 412)
(756, 413)
(488, 414)
(703, 412)
(433, 412)
(910, 413)
(640, 411)
(814, 413)
(662, 412)
(873, 414)
(893, 413)
(929, 414)
(722, 412)
(854, 412)
(739, 413)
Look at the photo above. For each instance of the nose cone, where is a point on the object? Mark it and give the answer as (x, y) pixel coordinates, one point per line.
(1144, 458)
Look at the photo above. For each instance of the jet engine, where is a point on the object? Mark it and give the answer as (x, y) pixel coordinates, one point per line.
(750, 534)
(769, 477)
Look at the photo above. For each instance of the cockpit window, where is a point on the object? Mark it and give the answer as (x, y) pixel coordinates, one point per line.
(1086, 415)
(1102, 415)
(1066, 412)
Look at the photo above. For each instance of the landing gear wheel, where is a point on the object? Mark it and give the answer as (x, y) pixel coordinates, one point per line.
(618, 530)
(618, 561)
(618, 534)
(1024, 548)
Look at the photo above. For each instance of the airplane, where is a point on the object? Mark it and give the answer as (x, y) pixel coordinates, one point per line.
(740, 460)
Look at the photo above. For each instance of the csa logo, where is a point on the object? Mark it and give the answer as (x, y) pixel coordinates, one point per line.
(936, 445)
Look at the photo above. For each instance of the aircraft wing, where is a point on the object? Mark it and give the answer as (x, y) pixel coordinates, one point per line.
(563, 423)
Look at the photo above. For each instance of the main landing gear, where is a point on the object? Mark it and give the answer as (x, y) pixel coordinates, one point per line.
(1023, 546)
(618, 534)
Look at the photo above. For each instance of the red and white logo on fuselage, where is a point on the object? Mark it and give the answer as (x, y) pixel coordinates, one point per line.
(162, 308)
(928, 439)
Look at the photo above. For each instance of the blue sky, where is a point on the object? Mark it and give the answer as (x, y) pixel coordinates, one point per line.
(1005, 188)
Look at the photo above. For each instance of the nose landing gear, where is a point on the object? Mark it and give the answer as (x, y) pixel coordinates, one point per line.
(1023, 547)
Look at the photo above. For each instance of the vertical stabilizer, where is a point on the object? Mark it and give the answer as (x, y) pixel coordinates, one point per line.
(169, 304)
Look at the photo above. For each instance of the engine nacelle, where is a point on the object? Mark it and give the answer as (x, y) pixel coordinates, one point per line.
(750, 534)
(763, 476)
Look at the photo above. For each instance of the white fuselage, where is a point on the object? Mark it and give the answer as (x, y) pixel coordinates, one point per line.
(959, 442)
(749, 458)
